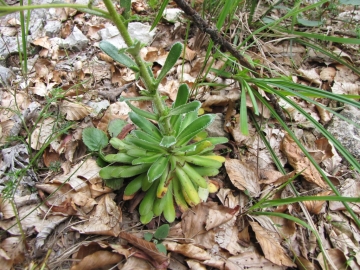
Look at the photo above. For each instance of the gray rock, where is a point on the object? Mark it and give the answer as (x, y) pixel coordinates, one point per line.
(216, 129)
(76, 41)
(52, 28)
(138, 31)
(347, 134)
(6, 76)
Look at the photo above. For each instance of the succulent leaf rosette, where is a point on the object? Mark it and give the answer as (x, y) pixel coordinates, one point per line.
(168, 167)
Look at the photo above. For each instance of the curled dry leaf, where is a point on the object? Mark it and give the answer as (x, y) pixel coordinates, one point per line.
(250, 260)
(98, 259)
(196, 265)
(328, 74)
(337, 257)
(311, 75)
(272, 249)
(315, 207)
(150, 252)
(74, 111)
(242, 176)
(300, 162)
(188, 250)
(43, 132)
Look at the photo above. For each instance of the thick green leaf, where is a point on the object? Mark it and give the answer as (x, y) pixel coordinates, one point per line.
(114, 53)
(144, 136)
(187, 120)
(182, 96)
(194, 128)
(182, 109)
(145, 125)
(146, 145)
(95, 139)
(162, 232)
(147, 159)
(243, 112)
(115, 127)
(170, 61)
(114, 184)
(157, 168)
(168, 141)
(119, 157)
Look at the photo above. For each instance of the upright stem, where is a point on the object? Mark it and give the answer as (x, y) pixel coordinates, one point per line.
(144, 72)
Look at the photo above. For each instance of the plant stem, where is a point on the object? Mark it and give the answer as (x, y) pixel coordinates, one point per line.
(147, 78)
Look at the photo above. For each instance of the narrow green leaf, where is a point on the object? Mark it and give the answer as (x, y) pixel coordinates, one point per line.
(95, 139)
(182, 96)
(224, 13)
(145, 125)
(114, 53)
(159, 14)
(194, 128)
(142, 113)
(170, 61)
(243, 111)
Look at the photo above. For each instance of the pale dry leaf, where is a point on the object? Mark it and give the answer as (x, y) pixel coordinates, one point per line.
(188, 250)
(300, 162)
(342, 54)
(315, 207)
(134, 263)
(12, 252)
(350, 188)
(8, 31)
(74, 111)
(328, 74)
(6, 209)
(272, 249)
(44, 131)
(219, 216)
(348, 88)
(304, 264)
(98, 259)
(227, 237)
(311, 75)
(189, 54)
(30, 220)
(79, 174)
(285, 227)
(227, 198)
(251, 260)
(242, 176)
(105, 219)
(324, 114)
(337, 257)
(195, 265)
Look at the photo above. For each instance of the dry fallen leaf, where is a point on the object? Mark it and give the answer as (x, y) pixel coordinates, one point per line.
(300, 162)
(251, 260)
(188, 250)
(98, 259)
(242, 176)
(272, 249)
(74, 111)
(12, 251)
(104, 219)
(315, 207)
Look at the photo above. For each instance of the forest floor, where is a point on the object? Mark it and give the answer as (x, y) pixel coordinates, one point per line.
(71, 85)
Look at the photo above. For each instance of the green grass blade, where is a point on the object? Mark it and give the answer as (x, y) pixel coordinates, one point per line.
(243, 111)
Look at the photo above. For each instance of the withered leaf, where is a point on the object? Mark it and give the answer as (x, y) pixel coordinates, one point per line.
(272, 249)
(300, 162)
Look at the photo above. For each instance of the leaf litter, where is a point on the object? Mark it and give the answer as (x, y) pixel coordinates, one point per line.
(84, 220)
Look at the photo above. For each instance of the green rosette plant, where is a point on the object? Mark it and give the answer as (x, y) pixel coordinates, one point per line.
(169, 154)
